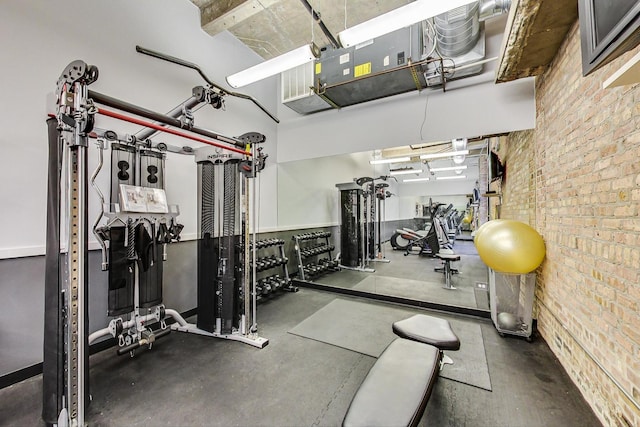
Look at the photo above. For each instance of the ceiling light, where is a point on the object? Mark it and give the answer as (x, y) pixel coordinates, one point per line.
(391, 160)
(459, 144)
(273, 66)
(415, 180)
(443, 155)
(405, 171)
(450, 168)
(398, 18)
(442, 178)
(458, 160)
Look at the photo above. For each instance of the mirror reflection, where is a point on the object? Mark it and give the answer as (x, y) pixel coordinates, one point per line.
(394, 222)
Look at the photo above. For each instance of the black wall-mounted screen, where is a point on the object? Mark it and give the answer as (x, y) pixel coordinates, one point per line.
(496, 168)
(608, 28)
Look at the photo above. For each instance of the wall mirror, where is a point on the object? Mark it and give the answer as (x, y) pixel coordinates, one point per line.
(410, 187)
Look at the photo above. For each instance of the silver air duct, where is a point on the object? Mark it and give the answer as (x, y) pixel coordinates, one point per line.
(460, 40)
(491, 8)
(457, 30)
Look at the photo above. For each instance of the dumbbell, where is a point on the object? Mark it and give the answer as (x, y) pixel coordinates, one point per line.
(275, 282)
(266, 287)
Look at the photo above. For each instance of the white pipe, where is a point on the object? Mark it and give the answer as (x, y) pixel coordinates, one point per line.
(176, 316)
(99, 333)
(474, 64)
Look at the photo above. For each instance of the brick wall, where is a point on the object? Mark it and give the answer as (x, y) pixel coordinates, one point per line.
(518, 186)
(576, 179)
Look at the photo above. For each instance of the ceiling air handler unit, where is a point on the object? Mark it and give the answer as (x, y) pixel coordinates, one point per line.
(425, 55)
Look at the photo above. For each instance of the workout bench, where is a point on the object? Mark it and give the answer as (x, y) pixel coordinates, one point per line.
(447, 258)
(397, 388)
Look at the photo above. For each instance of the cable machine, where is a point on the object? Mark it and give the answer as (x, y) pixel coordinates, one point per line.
(362, 205)
(139, 224)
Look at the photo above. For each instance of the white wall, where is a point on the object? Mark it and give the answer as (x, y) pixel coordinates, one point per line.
(470, 107)
(307, 193)
(40, 37)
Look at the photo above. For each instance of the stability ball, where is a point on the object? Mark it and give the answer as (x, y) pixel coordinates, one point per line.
(509, 246)
(508, 321)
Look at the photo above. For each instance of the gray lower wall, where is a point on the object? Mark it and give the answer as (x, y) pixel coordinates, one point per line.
(22, 316)
(22, 292)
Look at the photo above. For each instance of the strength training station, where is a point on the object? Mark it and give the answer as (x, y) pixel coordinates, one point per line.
(320, 213)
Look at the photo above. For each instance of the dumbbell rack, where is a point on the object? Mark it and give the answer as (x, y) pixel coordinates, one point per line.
(271, 283)
(307, 247)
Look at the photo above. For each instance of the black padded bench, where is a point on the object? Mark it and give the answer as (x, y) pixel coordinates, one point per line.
(428, 330)
(396, 390)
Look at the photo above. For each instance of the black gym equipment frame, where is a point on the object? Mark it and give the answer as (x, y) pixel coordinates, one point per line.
(66, 339)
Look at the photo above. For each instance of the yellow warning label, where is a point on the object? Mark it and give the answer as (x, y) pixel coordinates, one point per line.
(362, 69)
(318, 67)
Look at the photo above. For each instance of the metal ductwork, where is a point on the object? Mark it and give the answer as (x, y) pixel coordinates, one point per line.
(491, 8)
(458, 30)
(425, 55)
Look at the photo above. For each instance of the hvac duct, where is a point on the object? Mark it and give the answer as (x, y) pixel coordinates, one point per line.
(460, 41)
(457, 30)
(427, 54)
(491, 8)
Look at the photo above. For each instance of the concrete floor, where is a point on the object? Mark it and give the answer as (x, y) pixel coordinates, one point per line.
(189, 380)
(419, 280)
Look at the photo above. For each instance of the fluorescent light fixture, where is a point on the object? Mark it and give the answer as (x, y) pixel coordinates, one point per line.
(405, 171)
(273, 66)
(415, 180)
(442, 178)
(401, 17)
(450, 168)
(391, 160)
(443, 155)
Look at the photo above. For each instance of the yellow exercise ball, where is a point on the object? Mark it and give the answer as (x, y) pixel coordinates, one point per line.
(509, 246)
(484, 227)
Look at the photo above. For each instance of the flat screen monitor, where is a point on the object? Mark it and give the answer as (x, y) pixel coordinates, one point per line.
(496, 168)
(608, 28)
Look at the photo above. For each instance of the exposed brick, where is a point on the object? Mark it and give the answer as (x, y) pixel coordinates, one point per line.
(576, 179)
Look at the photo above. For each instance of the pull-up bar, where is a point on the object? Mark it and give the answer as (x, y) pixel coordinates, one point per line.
(162, 118)
(155, 126)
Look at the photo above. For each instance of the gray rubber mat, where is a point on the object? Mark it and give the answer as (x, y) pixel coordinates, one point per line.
(366, 328)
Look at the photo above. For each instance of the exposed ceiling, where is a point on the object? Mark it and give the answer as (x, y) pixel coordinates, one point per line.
(272, 27)
(535, 30)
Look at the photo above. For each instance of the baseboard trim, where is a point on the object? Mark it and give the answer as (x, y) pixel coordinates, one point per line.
(467, 311)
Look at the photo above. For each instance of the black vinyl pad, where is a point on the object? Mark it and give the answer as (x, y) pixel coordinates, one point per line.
(448, 257)
(429, 330)
(396, 390)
